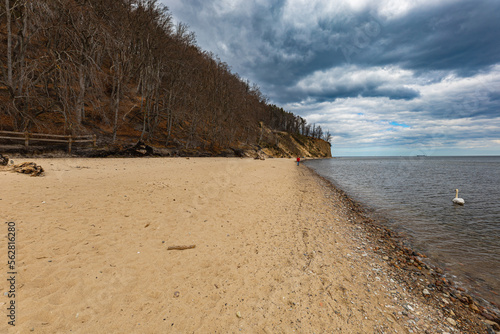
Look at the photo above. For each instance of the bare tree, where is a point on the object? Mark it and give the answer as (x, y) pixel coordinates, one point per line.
(121, 66)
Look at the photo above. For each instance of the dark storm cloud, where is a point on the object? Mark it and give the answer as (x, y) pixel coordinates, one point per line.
(459, 36)
(365, 90)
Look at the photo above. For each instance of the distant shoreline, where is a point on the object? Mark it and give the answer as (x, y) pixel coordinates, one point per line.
(416, 156)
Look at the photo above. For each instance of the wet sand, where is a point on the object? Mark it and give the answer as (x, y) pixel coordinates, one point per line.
(277, 250)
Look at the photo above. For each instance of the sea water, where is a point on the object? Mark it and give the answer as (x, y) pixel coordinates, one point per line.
(413, 195)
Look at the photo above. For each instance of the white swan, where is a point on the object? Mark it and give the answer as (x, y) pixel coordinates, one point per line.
(457, 200)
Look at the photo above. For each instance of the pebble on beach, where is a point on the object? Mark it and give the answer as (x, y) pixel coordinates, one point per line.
(451, 321)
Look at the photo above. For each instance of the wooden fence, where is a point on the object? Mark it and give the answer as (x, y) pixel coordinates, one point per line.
(28, 136)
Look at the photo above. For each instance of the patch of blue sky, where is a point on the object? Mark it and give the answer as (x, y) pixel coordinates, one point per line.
(399, 124)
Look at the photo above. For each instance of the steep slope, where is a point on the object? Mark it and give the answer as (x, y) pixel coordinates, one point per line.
(281, 144)
(121, 70)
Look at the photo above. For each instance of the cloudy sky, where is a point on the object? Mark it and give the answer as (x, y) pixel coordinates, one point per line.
(389, 77)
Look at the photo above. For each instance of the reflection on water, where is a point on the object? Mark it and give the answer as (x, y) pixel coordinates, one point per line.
(415, 196)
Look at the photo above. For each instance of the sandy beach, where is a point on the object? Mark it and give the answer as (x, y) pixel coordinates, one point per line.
(276, 251)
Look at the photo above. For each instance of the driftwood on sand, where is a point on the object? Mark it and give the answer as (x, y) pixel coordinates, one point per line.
(30, 168)
(180, 247)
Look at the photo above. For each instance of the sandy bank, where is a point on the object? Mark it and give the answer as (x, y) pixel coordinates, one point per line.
(276, 252)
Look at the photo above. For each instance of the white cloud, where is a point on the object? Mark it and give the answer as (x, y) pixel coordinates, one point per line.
(351, 77)
(361, 123)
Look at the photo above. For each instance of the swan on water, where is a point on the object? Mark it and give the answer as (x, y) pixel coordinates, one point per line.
(457, 200)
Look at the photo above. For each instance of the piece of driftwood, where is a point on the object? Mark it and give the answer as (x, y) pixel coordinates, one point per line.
(28, 168)
(180, 247)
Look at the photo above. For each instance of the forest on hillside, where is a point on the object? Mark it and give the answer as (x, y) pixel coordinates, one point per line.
(122, 70)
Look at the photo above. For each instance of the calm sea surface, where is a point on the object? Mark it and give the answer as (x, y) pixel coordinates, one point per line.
(413, 195)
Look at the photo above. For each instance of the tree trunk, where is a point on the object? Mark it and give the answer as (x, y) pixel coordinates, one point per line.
(117, 92)
(9, 45)
(80, 112)
(169, 118)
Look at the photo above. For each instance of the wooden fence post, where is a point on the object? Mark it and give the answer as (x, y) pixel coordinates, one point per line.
(26, 139)
(95, 141)
(70, 140)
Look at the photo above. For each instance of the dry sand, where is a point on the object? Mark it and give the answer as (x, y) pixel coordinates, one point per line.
(275, 252)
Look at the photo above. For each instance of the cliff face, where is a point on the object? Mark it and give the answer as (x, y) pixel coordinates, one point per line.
(280, 144)
(320, 148)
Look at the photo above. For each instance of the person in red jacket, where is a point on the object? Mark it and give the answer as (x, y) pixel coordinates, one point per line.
(298, 160)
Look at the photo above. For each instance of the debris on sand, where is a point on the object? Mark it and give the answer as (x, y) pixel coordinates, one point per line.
(260, 156)
(181, 247)
(4, 161)
(140, 149)
(28, 168)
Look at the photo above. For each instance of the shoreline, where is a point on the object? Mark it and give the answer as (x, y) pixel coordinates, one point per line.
(276, 250)
(405, 260)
